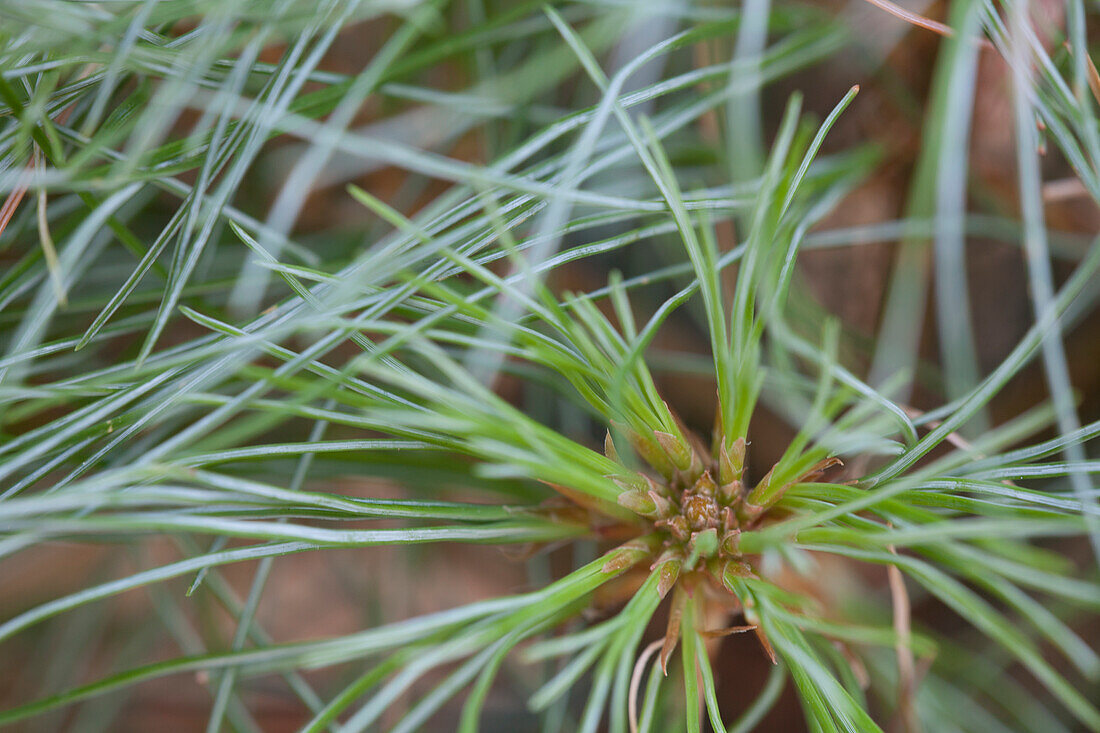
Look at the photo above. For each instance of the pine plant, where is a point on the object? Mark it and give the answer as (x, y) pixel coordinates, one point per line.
(183, 365)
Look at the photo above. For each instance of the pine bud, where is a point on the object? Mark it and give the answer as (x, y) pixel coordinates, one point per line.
(609, 448)
(677, 450)
(731, 542)
(731, 462)
(639, 502)
(625, 556)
